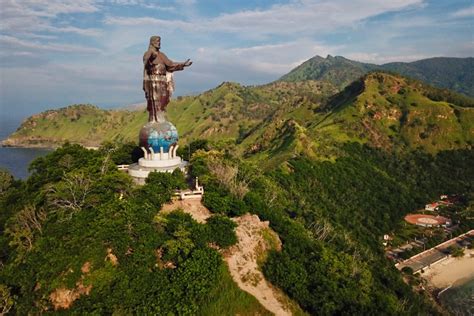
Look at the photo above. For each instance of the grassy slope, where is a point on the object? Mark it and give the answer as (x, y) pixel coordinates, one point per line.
(337, 70)
(383, 110)
(224, 112)
(445, 72)
(84, 124)
(273, 122)
(392, 111)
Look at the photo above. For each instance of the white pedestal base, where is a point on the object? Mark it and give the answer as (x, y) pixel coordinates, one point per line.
(139, 171)
(159, 163)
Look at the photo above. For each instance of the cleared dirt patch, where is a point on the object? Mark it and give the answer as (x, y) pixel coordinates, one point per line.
(193, 207)
(62, 298)
(242, 260)
(255, 239)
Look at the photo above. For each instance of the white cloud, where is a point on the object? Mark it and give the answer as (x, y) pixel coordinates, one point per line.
(377, 58)
(92, 32)
(33, 16)
(463, 13)
(149, 21)
(295, 18)
(140, 3)
(14, 43)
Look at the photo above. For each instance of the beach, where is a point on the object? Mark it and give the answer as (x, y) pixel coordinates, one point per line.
(451, 271)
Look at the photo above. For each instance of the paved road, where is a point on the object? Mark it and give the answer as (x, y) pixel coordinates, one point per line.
(434, 254)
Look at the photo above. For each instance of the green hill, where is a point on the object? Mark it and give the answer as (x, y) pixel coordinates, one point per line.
(110, 251)
(331, 172)
(387, 111)
(456, 74)
(228, 111)
(337, 70)
(443, 72)
(381, 109)
(83, 123)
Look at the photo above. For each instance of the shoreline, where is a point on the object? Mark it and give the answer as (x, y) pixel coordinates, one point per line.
(29, 146)
(450, 273)
(44, 146)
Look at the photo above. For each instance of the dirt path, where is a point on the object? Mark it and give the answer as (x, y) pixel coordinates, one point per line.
(242, 257)
(193, 207)
(242, 261)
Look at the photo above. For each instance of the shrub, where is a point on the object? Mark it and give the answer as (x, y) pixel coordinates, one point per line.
(221, 231)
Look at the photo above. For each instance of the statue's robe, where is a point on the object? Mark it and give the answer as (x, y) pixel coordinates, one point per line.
(156, 84)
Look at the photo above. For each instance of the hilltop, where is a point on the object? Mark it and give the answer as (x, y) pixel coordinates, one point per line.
(228, 111)
(338, 70)
(444, 72)
(384, 110)
(387, 110)
(84, 124)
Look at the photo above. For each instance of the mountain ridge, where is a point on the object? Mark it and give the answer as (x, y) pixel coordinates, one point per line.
(444, 72)
(272, 122)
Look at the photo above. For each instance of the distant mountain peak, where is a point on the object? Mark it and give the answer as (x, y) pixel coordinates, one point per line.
(444, 72)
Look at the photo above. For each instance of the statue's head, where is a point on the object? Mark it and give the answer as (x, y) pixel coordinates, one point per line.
(155, 41)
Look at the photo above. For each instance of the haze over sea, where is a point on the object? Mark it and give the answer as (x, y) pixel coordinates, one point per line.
(16, 160)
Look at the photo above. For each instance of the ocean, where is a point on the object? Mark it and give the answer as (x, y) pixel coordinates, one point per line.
(459, 300)
(16, 160)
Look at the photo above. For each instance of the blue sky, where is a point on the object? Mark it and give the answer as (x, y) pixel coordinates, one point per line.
(59, 52)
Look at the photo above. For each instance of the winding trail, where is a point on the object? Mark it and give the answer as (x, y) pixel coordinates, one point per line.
(242, 257)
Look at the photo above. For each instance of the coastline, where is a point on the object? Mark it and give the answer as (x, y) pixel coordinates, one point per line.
(46, 145)
(451, 272)
(29, 146)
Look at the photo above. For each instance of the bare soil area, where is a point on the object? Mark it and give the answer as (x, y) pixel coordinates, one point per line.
(193, 207)
(242, 260)
(255, 238)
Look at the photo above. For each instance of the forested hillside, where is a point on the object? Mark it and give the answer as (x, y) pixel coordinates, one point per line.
(331, 171)
(331, 217)
(79, 237)
(443, 72)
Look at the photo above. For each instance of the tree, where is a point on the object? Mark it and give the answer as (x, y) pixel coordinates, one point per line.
(178, 248)
(6, 300)
(221, 231)
(71, 193)
(6, 180)
(23, 227)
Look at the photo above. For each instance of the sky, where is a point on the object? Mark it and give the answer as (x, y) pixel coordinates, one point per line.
(59, 52)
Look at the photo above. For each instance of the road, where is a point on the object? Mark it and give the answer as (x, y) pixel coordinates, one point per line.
(435, 254)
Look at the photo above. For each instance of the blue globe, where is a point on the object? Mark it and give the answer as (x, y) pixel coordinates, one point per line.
(158, 134)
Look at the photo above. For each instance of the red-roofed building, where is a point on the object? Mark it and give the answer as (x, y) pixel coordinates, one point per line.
(432, 207)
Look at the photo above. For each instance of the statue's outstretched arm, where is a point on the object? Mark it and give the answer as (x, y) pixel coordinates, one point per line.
(174, 66)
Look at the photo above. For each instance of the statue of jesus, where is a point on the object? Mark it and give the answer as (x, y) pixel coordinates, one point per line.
(157, 78)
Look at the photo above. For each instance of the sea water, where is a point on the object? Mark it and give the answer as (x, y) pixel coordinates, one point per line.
(459, 300)
(16, 160)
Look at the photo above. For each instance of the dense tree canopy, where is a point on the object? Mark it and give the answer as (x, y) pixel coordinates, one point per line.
(331, 217)
(82, 226)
